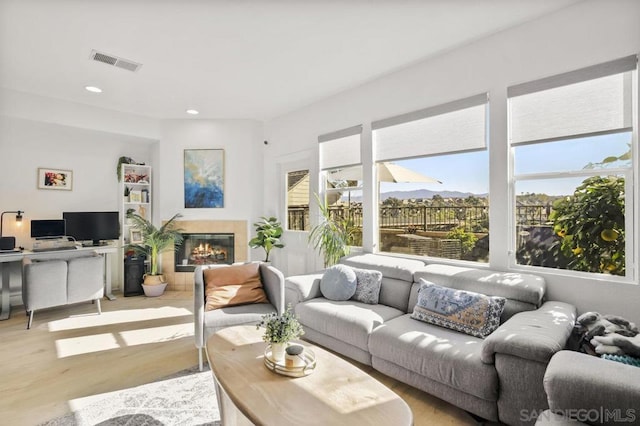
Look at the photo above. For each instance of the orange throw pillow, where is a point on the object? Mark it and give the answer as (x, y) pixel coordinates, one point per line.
(233, 285)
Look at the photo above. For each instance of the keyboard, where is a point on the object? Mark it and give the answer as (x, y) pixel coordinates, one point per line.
(44, 249)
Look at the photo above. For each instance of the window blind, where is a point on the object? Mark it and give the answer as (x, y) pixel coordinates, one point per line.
(341, 148)
(452, 127)
(591, 101)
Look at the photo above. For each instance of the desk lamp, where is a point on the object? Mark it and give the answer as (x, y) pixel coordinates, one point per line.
(9, 243)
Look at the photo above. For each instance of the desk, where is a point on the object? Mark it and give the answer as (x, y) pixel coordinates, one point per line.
(6, 285)
(6, 258)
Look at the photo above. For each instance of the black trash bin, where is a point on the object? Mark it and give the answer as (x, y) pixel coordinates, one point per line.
(133, 275)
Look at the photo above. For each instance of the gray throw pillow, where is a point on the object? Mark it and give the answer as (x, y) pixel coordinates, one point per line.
(338, 283)
(367, 286)
(465, 311)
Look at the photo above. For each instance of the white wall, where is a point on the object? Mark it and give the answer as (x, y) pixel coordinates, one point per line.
(581, 35)
(26, 145)
(242, 141)
(57, 111)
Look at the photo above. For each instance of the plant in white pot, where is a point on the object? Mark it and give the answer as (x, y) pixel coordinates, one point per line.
(268, 233)
(280, 330)
(155, 241)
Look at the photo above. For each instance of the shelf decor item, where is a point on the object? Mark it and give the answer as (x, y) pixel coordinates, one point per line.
(121, 161)
(268, 233)
(153, 242)
(135, 196)
(204, 178)
(279, 331)
(55, 179)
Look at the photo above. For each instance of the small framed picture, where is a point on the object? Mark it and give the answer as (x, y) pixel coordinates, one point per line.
(135, 196)
(135, 236)
(55, 179)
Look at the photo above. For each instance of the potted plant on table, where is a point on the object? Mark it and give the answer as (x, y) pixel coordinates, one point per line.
(155, 241)
(280, 330)
(269, 231)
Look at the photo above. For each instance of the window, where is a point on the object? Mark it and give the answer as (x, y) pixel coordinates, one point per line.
(572, 138)
(341, 168)
(298, 200)
(433, 181)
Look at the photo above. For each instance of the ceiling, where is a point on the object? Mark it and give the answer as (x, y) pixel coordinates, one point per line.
(254, 59)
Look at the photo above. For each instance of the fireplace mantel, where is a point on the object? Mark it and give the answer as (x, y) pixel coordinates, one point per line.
(183, 281)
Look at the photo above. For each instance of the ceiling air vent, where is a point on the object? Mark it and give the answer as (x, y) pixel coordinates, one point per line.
(105, 58)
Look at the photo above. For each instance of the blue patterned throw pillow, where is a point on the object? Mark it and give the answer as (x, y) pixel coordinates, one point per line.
(368, 283)
(338, 283)
(465, 311)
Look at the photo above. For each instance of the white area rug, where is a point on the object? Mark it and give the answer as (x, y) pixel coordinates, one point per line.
(185, 398)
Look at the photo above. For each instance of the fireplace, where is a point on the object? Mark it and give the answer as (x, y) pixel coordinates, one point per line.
(204, 249)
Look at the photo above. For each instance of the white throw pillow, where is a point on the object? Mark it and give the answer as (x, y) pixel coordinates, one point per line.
(338, 283)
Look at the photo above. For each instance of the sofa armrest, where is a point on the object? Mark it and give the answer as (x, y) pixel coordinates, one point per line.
(577, 383)
(273, 283)
(299, 288)
(532, 335)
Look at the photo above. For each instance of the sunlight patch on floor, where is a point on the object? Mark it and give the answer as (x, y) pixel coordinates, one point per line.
(156, 334)
(86, 344)
(116, 317)
(107, 341)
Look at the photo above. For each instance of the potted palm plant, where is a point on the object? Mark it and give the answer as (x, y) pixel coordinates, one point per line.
(155, 241)
(332, 236)
(268, 233)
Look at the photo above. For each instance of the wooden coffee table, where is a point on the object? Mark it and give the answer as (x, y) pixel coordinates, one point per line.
(336, 393)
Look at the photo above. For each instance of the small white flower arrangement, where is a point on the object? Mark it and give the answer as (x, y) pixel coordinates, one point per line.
(280, 328)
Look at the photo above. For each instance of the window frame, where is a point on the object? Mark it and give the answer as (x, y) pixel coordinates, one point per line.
(455, 106)
(632, 195)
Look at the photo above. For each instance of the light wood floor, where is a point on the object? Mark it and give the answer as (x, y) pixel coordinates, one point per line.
(71, 353)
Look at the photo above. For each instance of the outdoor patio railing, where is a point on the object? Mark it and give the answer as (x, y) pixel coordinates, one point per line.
(437, 218)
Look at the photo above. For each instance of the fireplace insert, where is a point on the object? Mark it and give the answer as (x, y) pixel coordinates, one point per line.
(204, 249)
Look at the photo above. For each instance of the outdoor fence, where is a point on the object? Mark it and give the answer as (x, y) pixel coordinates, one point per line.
(434, 218)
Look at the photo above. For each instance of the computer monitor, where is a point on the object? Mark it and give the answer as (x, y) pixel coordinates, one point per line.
(96, 227)
(43, 229)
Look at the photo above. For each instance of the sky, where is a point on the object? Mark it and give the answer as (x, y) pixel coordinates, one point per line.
(469, 172)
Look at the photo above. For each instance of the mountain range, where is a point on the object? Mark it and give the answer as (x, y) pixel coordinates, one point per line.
(422, 193)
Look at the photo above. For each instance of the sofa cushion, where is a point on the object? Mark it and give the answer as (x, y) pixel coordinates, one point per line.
(233, 285)
(465, 311)
(391, 267)
(338, 283)
(368, 284)
(443, 355)
(395, 293)
(524, 292)
(85, 278)
(348, 321)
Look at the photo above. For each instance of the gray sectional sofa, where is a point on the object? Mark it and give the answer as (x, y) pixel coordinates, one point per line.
(587, 390)
(494, 378)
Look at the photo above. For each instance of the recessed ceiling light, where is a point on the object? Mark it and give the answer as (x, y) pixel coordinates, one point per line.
(93, 89)
(193, 111)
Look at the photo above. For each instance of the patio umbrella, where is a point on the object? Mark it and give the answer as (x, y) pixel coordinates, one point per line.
(387, 172)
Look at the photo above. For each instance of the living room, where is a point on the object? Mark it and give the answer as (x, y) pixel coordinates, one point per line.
(87, 134)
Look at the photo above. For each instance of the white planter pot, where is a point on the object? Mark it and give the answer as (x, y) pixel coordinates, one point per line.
(154, 290)
(277, 351)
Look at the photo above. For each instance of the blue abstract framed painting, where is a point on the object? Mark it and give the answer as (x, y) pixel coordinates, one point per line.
(203, 178)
